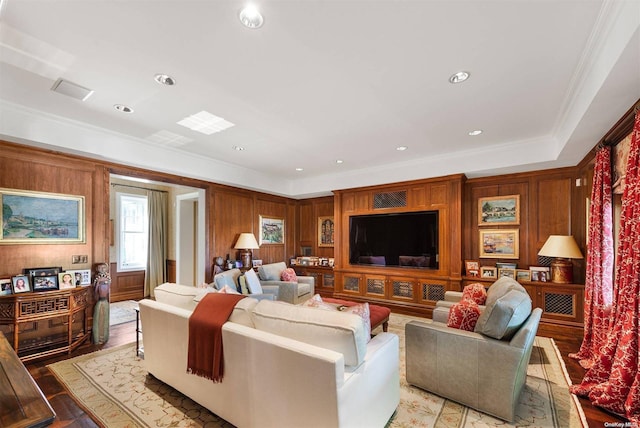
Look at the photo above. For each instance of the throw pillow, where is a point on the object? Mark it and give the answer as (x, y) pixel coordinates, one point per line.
(253, 283)
(316, 302)
(228, 290)
(463, 315)
(289, 275)
(502, 319)
(364, 312)
(242, 282)
(475, 292)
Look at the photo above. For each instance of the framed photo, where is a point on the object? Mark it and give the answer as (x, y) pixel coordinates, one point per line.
(540, 273)
(83, 277)
(256, 263)
(510, 273)
(325, 231)
(331, 262)
(41, 218)
(20, 284)
(42, 271)
(66, 280)
(472, 267)
(488, 272)
(499, 210)
(271, 230)
(45, 283)
(523, 275)
(5, 287)
(499, 243)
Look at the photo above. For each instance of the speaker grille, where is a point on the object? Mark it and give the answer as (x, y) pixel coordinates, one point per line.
(560, 304)
(432, 292)
(390, 199)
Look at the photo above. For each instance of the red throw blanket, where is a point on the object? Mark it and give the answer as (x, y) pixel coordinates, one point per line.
(205, 334)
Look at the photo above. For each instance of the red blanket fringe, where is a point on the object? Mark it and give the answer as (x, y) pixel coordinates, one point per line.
(205, 358)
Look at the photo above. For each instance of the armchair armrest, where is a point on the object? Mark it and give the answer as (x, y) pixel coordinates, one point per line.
(287, 291)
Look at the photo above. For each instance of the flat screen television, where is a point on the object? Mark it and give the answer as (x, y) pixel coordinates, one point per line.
(401, 239)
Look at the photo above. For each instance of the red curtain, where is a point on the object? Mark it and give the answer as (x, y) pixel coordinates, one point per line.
(613, 382)
(599, 278)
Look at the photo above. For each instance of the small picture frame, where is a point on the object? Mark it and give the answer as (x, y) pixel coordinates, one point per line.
(42, 271)
(20, 284)
(84, 276)
(5, 287)
(472, 267)
(539, 273)
(488, 272)
(509, 273)
(257, 263)
(523, 275)
(66, 280)
(45, 283)
(499, 243)
(331, 262)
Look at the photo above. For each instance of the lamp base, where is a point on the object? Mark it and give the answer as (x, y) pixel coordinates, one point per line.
(562, 271)
(245, 258)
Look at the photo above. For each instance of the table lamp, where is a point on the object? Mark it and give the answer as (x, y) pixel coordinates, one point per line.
(563, 249)
(245, 243)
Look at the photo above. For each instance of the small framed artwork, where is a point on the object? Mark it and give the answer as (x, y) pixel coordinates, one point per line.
(325, 231)
(539, 273)
(499, 210)
(271, 230)
(332, 262)
(472, 267)
(523, 275)
(45, 283)
(499, 243)
(20, 284)
(5, 287)
(83, 276)
(488, 272)
(66, 280)
(509, 273)
(256, 263)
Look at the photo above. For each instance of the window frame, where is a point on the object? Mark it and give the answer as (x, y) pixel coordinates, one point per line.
(121, 267)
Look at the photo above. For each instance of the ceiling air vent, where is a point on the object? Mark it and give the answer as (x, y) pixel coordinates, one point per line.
(390, 199)
(71, 89)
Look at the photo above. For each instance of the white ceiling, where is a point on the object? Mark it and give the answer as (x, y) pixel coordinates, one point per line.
(322, 80)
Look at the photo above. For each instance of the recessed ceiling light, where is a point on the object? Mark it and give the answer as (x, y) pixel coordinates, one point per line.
(401, 148)
(299, 169)
(251, 17)
(238, 148)
(164, 79)
(205, 123)
(123, 108)
(475, 132)
(339, 161)
(459, 77)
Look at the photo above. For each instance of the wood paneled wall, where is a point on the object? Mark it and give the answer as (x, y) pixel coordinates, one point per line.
(309, 210)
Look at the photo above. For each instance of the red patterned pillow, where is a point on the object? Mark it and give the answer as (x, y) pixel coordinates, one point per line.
(289, 275)
(464, 315)
(475, 292)
(362, 309)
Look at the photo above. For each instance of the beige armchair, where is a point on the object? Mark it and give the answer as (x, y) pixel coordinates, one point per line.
(289, 291)
(484, 369)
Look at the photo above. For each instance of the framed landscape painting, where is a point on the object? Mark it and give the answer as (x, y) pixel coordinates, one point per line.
(271, 230)
(499, 210)
(41, 218)
(499, 243)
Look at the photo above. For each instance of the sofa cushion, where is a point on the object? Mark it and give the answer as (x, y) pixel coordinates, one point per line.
(289, 275)
(334, 330)
(463, 315)
(271, 271)
(475, 292)
(228, 277)
(253, 283)
(501, 287)
(243, 312)
(178, 295)
(504, 317)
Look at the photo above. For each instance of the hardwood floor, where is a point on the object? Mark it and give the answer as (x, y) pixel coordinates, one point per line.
(69, 414)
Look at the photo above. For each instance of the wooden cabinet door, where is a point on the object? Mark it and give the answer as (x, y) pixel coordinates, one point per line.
(431, 290)
(351, 283)
(376, 286)
(403, 289)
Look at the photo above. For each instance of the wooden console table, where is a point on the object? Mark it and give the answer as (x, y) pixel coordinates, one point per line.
(40, 324)
(22, 404)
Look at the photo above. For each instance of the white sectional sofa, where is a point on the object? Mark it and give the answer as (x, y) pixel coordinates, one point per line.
(284, 365)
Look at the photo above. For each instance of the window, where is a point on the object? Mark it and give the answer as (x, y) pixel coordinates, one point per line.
(133, 231)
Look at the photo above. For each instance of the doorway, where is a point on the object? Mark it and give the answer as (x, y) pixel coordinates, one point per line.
(190, 238)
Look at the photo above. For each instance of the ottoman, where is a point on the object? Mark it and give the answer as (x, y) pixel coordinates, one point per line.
(377, 314)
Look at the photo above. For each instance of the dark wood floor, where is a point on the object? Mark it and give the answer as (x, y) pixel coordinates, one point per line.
(69, 414)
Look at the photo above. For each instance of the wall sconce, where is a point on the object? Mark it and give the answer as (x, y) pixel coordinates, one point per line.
(563, 249)
(245, 243)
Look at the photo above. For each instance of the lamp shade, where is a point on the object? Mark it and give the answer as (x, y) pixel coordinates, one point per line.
(246, 241)
(563, 246)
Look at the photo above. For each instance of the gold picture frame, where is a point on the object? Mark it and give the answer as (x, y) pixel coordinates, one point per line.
(41, 218)
(325, 231)
(499, 210)
(499, 243)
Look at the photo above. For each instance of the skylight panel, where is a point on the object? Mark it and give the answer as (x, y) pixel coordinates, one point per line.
(205, 123)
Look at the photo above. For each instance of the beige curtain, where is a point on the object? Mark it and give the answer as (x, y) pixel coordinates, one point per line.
(157, 259)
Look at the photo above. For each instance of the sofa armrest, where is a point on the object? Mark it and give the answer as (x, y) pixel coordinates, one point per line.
(307, 280)
(452, 296)
(287, 291)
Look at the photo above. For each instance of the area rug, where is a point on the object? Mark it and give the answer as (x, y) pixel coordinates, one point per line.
(122, 312)
(113, 387)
